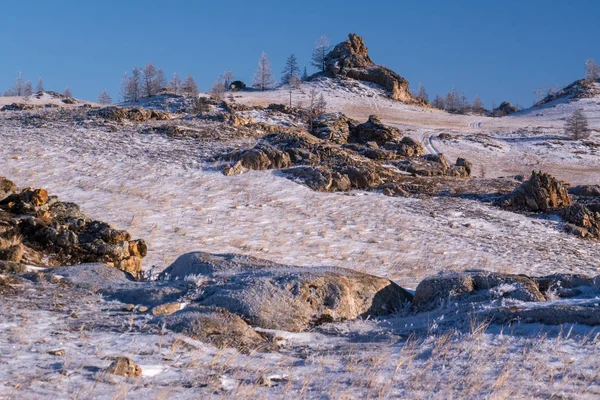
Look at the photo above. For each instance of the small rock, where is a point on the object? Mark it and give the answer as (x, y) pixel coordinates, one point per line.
(124, 366)
(58, 353)
(166, 309)
(143, 309)
(128, 307)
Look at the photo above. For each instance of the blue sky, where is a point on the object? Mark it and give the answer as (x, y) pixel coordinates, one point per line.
(499, 50)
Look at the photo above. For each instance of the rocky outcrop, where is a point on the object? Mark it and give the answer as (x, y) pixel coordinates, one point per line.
(542, 192)
(505, 108)
(351, 59)
(275, 296)
(20, 107)
(133, 114)
(58, 233)
(374, 131)
(581, 220)
(334, 128)
(584, 191)
(434, 165)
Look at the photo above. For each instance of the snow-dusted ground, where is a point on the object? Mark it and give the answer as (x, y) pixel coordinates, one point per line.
(162, 190)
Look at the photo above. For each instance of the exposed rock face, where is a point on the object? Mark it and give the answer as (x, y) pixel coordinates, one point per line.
(581, 220)
(479, 285)
(263, 157)
(434, 165)
(504, 109)
(351, 59)
(57, 233)
(134, 114)
(374, 131)
(275, 296)
(124, 366)
(541, 192)
(216, 326)
(334, 128)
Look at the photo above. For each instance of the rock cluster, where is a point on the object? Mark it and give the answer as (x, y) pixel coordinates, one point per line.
(38, 229)
(351, 59)
(343, 155)
(542, 192)
(133, 114)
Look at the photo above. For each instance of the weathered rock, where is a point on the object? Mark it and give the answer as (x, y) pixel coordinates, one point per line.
(541, 192)
(586, 190)
(6, 188)
(549, 314)
(235, 169)
(320, 179)
(433, 165)
(124, 366)
(407, 147)
(374, 130)
(351, 59)
(581, 216)
(275, 296)
(264, 156)
(167, 309)
(334, 128)
(467, 165)
(20, 107)
(57, 233)
(479, 285)
(504, 109)
(214, 325)
(134, 114)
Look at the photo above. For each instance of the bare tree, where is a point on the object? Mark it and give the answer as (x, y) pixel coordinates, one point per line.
(218, 89)
(320, 53)
(149, 74)
(422, 93)
(161, 81)
(316, 106)
(452, 101)
(592, 70)
(576, 126)
(227, 78)
(290, 70)
(478, 105)
(294, 83)
(28, 89)
(104, 98)
(131, 86)
(438, 102)
(19, 87)
(263, 77)
(40, 85)
(67, 92)
(189, 86)
(175, 84)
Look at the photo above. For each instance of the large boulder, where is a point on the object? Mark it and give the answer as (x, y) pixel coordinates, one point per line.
(351, 59)
(264, 156)
(320, 178)
(542, 192)
(374, 131)
(333, 127)
(434, 165)
(275, 296)
(504, 109)
(585, 190)
(448, 287)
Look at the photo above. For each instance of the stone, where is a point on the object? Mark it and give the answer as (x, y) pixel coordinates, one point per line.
(214, 325)
(374, 130)
(167, 309)
(142, 309)
(583, 190)
(124, 366)
(581, 217)
(274, 296)
(263, 157)
(473, 286)
(350, 59)
(235, 169)
(542, 192)
(320, 179)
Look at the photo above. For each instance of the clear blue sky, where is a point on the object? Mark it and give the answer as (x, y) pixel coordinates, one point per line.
(499, 50)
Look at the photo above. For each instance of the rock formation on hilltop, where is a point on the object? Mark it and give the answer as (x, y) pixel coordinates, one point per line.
(351, 59)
